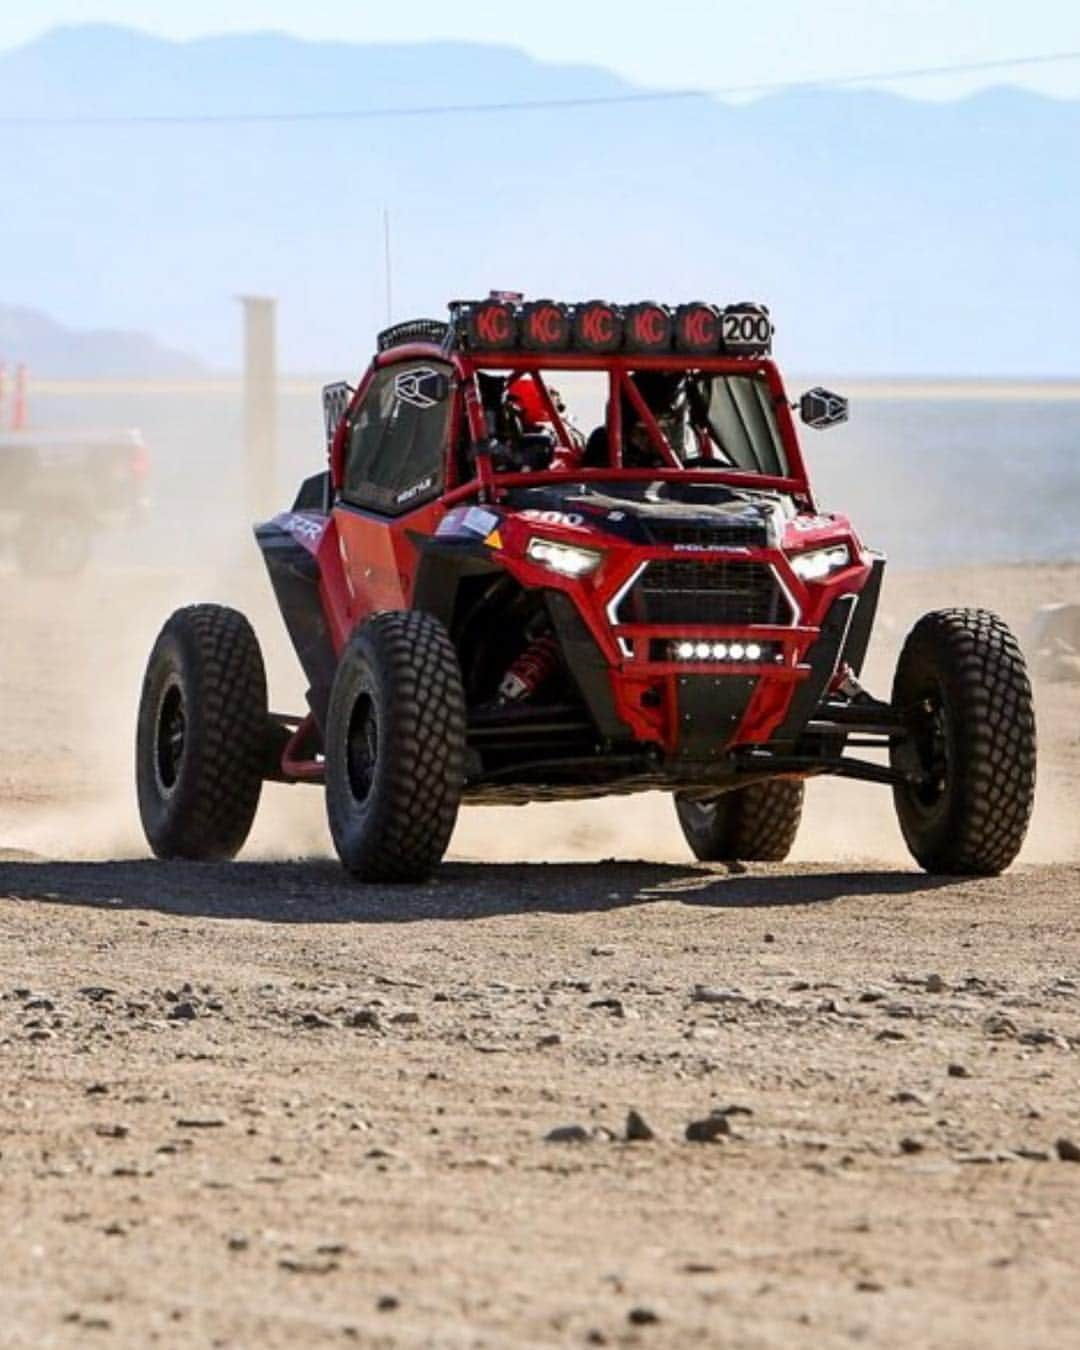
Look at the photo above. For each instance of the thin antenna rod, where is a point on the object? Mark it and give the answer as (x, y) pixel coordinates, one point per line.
(389, 266)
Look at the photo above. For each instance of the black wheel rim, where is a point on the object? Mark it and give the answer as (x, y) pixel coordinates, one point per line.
(363, 750)
(932, 744)
(171, 738)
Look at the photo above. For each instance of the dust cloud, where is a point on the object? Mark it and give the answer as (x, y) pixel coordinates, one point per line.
(72, 664)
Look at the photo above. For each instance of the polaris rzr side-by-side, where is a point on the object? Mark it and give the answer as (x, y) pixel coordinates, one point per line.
(490, 606)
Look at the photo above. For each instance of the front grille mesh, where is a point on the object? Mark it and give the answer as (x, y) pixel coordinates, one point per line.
(719, 593)
(707, 534)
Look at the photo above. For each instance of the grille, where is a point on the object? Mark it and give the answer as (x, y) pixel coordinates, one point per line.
(707, 534)
(720, 593)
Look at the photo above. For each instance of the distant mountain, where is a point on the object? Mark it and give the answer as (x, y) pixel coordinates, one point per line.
(51, 351)
(889, 236)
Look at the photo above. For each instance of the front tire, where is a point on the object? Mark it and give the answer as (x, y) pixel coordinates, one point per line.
(757, 823)
(202, 734)
(395, 748)
(962, 681)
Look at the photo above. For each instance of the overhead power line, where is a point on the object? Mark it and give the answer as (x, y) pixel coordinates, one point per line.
(536, 105)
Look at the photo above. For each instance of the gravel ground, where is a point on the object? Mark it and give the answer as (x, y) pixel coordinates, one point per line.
(256, 1105)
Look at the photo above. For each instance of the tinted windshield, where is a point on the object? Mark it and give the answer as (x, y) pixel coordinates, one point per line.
(741, 423)
(707, 421)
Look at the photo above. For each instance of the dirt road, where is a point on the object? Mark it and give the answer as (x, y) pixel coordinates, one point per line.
(258, 1106)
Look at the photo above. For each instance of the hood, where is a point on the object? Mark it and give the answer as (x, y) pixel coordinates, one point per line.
(677, 515)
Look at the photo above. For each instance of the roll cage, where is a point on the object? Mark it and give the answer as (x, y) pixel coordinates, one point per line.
(487, 484)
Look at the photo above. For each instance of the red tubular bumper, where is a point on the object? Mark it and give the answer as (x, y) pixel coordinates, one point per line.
(646, 690)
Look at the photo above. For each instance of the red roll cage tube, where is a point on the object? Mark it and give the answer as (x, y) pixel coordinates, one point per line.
(488, 483)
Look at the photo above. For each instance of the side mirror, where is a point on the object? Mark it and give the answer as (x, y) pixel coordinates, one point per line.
(336, 400)
(819, 408)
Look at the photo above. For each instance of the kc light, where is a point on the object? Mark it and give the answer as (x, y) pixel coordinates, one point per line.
(820, 563)
(566, 559)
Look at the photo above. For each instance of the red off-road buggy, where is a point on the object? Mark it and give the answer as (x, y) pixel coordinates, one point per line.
(490, 607)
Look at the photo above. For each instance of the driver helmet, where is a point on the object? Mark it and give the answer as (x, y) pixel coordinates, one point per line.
(524, 393)
(665, 395)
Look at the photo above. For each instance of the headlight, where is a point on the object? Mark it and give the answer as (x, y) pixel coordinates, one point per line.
(820, 563)
(566, 559)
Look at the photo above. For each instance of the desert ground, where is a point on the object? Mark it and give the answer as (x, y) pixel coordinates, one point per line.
(258, 1105)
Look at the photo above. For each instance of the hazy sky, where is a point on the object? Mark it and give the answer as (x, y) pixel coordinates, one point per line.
(672, 43)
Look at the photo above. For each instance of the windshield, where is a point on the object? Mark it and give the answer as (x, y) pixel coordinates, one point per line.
(741, 424)
(666, 419)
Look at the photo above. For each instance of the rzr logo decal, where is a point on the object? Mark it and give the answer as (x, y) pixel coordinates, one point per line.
(417, 387)
(303, 527)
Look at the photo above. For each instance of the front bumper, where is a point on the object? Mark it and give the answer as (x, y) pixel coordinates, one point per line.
(696, 710)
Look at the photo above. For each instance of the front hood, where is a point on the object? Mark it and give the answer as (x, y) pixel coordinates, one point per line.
(679, 515)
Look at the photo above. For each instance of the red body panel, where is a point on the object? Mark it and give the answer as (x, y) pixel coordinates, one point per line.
(368, 561)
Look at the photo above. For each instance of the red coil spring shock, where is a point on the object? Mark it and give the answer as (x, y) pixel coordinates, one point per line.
(536, 664)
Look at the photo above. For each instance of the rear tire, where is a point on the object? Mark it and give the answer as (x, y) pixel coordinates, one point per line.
(202, 735)
(757, 823)
(395, 748)
(962, 679)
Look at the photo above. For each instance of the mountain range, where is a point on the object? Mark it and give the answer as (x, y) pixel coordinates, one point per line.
(889, 235)
(51, 351)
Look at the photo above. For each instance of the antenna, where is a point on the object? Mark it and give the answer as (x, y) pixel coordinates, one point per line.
(388, 266)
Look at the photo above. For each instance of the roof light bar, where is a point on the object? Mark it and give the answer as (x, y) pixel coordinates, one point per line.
(503, 322)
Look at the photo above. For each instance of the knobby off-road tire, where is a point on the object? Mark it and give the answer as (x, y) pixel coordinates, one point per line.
(757, 823)
(203, 727)
(962, 679)
(395, 748)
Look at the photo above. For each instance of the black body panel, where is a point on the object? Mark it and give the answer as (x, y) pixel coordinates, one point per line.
(689, 515)
(710, 710)
(858, 638)
(315, 494)
(587, 666)
(294, 575)
(824, 655)
(443, 564)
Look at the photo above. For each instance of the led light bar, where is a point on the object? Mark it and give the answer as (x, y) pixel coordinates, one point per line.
(505, 322)
(733, 652)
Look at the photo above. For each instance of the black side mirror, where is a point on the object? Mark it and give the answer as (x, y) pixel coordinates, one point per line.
(819, 408)
(422, 388)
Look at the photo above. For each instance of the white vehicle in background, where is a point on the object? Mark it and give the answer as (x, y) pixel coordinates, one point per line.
(60, 487)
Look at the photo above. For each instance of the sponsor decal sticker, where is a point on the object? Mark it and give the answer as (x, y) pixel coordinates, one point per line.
(410, 493)
(409, 387)
(569, 518)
